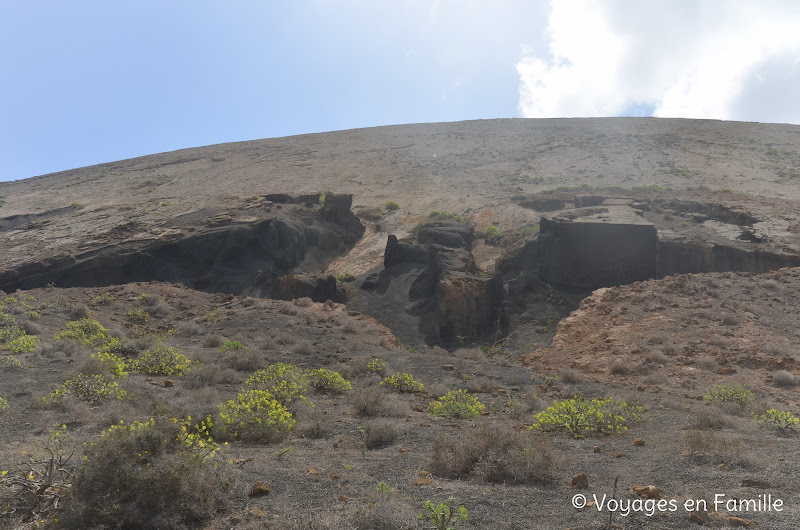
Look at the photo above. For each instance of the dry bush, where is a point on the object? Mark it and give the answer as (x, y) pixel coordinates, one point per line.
(150, 480)
(80, 311)
(312, 423)
(707, 362)
(708, 447)
(304, 347)
(349, 327)
(373, 401)
(770, 284)
(212, 341)
(158, 310)
(356, 369)
(188, 329)
(437, 390)
(268, 344)
(656, 378)
(783, 378)
(620, 366)
(287, 309)
(709, 418)
(481, 384)
(243, 361)
(379, 435)
(283, 338)
(730, 320)
(658, 357)
(61, 348)
(568, 375)
(533, 401)
(476, 354)
(498, 456)
(30, 327)
(303, 302)
(210, 374)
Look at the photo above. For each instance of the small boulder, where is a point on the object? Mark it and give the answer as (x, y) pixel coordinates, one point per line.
(259, 489)
(646, 492)
(580, 481)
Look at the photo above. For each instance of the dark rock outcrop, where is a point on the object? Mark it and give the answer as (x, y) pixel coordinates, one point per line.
(318, 288)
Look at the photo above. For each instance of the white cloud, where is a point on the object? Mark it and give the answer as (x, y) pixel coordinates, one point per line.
(692, 59)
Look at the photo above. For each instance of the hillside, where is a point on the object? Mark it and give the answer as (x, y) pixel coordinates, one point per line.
(527, 262)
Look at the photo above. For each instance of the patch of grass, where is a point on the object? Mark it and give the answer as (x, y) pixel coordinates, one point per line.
(436, 215)
(345, 277)
(457, 404)
(579, 417)
(378, 436)
(391, 206)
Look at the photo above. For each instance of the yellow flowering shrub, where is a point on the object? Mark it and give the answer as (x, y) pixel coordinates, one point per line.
(578, 416)
(255, 415)
(162, 361)
(402, 382)
(457, 404)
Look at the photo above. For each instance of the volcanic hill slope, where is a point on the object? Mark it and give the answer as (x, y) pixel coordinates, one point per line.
(524, 261)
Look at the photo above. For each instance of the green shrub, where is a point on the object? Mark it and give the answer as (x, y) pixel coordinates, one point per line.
(578, 416)
(232, 345)
(457, 404)
(445, 216)
(138, 315)
(3, 405)
(23, 344)
(255, 415)
(444, 516)
(149, 475)
(286, 382)
(781, 420)
(86, 331)
(402, 382)
(328, 381)
(345, 277)
(492, 231)
(377, 366)
(104, 298)
(162, 361)
(10, 363)
(89, 388)
(391, 206)
(736, 393)
(116, 366)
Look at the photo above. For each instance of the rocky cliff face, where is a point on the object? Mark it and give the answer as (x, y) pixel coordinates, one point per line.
(238, 252)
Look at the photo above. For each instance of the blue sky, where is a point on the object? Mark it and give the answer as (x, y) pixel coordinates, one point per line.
(85, 82)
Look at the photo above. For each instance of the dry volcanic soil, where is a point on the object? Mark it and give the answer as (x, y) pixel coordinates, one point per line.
(584, 323)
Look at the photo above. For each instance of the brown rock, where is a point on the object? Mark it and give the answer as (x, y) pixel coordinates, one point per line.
(723, 467)
(344, 498)
(597, 449)
(646, 492)
(638, 442)
(448, 367)
(259, 488)
(699, 518)
(751, 482)
(313, 471)
(580, 481)
(169, 383)
(738, 521)
(256, 512)
(236, 520)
